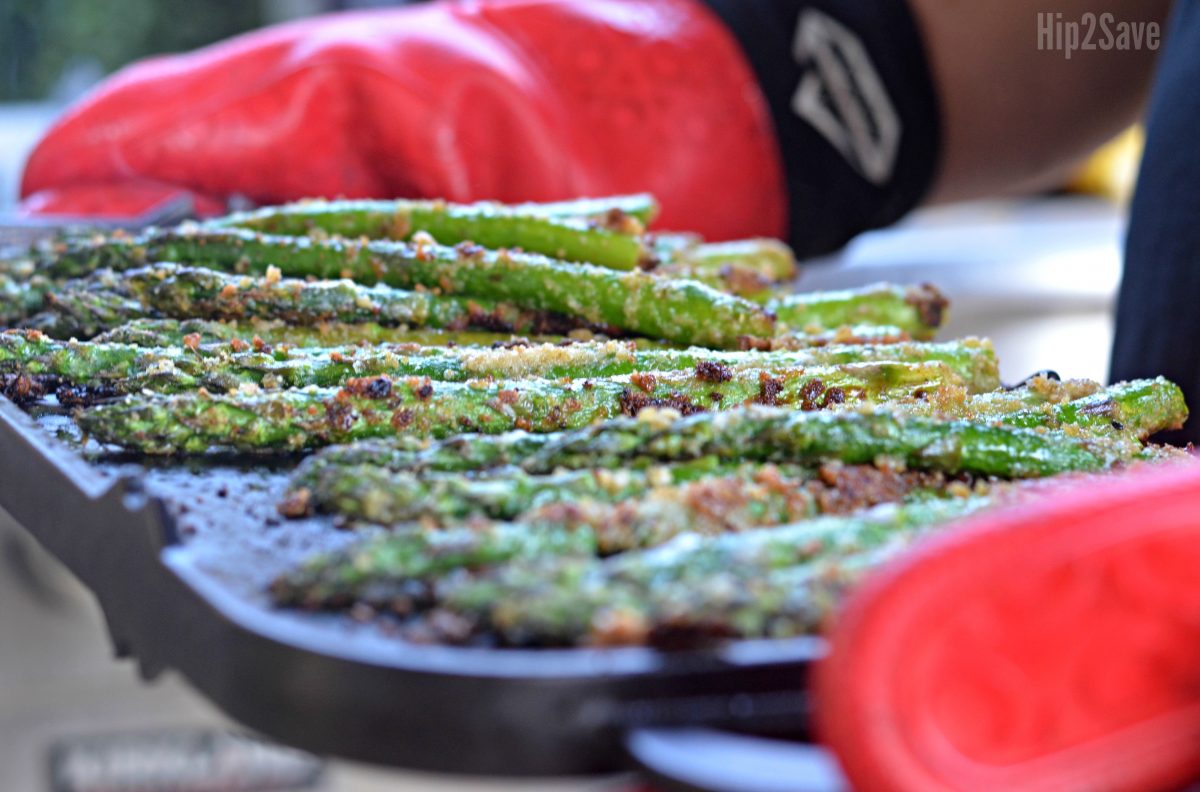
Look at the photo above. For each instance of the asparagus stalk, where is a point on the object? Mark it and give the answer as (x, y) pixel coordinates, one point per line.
(747, 268)
(247, 333)
(918, 310)
(463, 453)
(170, 332)
(951, 446)
(708, 507)
(79, 310)
(122, 368)
(642, 206)
(608, 237)
(381, 407)
(761, 434)
(844, 334)
(773, 582)
(727, 495)
(680, 311)
(551, 589)
(622, 442)
(191, 292)
(775, 603)
(373, 494)
(767, 257)
(331, 334)
(972, 360)
(21, 298)
(1140, 407)
(756, 433)
(541, 453)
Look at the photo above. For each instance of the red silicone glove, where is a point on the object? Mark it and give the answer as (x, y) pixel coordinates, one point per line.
(1051, 646)
(512, 100)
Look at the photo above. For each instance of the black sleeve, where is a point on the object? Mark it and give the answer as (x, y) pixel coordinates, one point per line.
(854, 108)
(1158, 309)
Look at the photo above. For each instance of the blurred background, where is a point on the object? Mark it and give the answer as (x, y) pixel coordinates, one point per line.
(51, 51)
(1037, 274)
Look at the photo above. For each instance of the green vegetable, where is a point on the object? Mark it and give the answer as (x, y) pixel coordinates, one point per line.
(374, 494)
(550, 589)
(21, 298)
(608, 237)
(757, 433)
(156, 333)
(382, 407)
(178, 368)
(192, 292)
(1140, 408)
(748, 267)
(680, 311)
(917, 310)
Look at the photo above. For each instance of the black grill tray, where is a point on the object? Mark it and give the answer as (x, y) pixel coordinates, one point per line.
(178, 558)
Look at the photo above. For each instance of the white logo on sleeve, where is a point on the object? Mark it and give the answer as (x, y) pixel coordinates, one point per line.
(843, 98)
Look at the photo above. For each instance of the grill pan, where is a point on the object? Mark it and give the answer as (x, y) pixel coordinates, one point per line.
(179, 557)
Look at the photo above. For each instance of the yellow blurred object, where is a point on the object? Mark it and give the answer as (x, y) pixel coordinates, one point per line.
(1112, 169)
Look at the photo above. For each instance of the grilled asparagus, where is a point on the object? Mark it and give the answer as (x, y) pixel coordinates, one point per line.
(803, 438)
(379, 406)
(676, 310)
(608, 237)
(169, 290)
(127, 368)
(247, 333)
(550, 589)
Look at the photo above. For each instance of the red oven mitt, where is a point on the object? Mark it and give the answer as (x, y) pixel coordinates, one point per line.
(1053, 646)
(510, 100)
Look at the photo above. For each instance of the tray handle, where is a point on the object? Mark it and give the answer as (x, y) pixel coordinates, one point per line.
(708, 760)
(43, 477)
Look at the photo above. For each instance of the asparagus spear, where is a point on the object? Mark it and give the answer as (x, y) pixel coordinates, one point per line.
(608, 237)
(171, 332)
(553, 591)
(972, 360)
(772, 582)
(843, 334)
(767, 257)
(381, 407)
(21, 298)
(713, 506)
(463, 453)
(951, 446)
(243, 333)
(681, 311)
(918, 310)
(83, 311)
(622, 441)
(747, 268)
(756, 433)
(121, 367)
(191, 292)
(373, 494)
(1140, 407)
(733, 494)
(642, 206)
